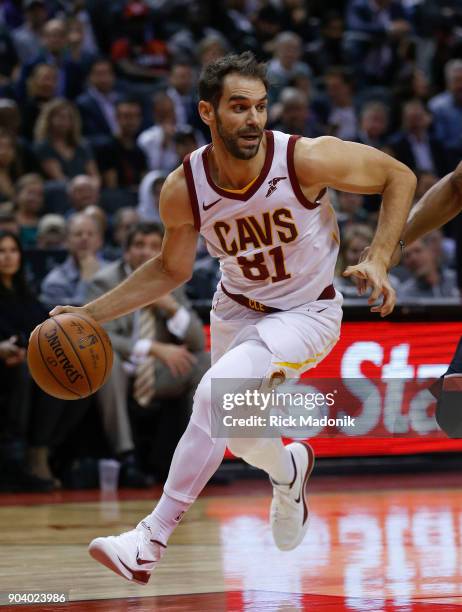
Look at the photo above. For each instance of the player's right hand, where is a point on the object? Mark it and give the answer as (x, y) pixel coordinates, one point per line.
(62, 309)
(71, 309)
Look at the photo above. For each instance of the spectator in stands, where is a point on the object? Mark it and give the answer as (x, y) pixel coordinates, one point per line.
(83, 191)
(51, 232)
(27, 38)
(296, 116)
(75, 45)
(195, 28)
(414, 145)
(373, 125)
(98, 214)
(211, 48)
(169, 334)
(157, 142)
(59, 145)
(8, 222)
(29, 202)
(42, 86)
(350, 210)
(337, 110)
(181, 90)
(149, 194)
(443, 248)
(122, 162)
(19, 313)
(327, 50)
(10, 121)
(97, 105)
(8, 169)
(67, 283)
(8, 63)
(375, 29)
(428, 278)
(71, 73)
(124, 219)
(286, 64)
(447, 111)
(140, 54)
(186, 141)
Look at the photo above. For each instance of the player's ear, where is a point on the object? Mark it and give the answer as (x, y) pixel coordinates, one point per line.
(206, 111)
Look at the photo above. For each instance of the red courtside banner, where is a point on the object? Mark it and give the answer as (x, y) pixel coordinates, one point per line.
(381, 351)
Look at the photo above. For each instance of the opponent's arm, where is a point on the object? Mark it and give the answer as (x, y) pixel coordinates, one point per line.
(161, 274)
(357, 168)
(439, 205)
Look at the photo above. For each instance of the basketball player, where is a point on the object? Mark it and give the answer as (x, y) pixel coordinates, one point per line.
(439, 205)
(259, 199)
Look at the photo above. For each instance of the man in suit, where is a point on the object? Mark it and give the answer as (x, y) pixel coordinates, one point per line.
(414, 145)
(97, 105)
(171, 351)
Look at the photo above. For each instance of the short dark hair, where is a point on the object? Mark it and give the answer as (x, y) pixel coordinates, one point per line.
(99, 59)
(212, 76)
(145, 228)
(129, 100)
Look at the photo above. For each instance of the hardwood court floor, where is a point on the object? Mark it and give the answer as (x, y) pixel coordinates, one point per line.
(375, 544)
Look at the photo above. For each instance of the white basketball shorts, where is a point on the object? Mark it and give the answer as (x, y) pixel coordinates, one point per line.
(298, 338)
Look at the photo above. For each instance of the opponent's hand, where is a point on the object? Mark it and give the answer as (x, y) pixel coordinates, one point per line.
(177, 358)
(374, 275)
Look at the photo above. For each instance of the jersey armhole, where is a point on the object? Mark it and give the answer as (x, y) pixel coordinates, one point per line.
(293, 178)
(192, 192)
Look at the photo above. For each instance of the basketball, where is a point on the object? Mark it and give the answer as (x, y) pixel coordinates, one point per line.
(70, 356)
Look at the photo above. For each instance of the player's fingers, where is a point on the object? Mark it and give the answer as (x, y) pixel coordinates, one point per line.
(376, 292)
(59, 310)
(354, 271)
(389, 301)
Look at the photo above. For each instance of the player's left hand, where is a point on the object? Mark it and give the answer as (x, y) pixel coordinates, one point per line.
(374, 275)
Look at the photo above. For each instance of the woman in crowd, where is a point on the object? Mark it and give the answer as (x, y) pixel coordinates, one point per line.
(59, 145)
(28, 414)
(8, 169)
(29, 200)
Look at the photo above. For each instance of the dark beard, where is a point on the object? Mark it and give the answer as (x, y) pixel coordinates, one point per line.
(231, 142)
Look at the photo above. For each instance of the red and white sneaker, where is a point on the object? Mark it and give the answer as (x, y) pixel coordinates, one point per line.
(289, 508)
(132, 554)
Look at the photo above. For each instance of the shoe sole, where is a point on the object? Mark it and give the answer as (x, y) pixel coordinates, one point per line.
(101, 556)
(310, 466)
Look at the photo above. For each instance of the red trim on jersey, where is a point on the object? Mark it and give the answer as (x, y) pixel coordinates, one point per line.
(294, 181)
(256, 185)
(192, 192)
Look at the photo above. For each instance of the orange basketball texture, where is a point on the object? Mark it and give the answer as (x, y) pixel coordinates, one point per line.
(70, 356)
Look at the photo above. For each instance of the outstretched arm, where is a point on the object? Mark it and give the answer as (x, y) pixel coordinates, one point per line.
(439, 205)
(160, 275)
(357, 168)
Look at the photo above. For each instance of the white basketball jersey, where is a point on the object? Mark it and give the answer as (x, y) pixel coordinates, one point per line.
(274, 246)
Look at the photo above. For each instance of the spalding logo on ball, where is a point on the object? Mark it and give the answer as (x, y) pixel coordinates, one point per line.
(70, 356)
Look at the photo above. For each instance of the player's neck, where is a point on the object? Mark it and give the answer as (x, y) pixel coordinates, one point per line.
(229, 172)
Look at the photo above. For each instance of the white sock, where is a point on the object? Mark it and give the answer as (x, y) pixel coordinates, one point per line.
(165, 518)
(268, 454)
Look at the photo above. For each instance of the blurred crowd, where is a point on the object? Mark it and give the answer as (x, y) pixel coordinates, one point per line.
(98, 103)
